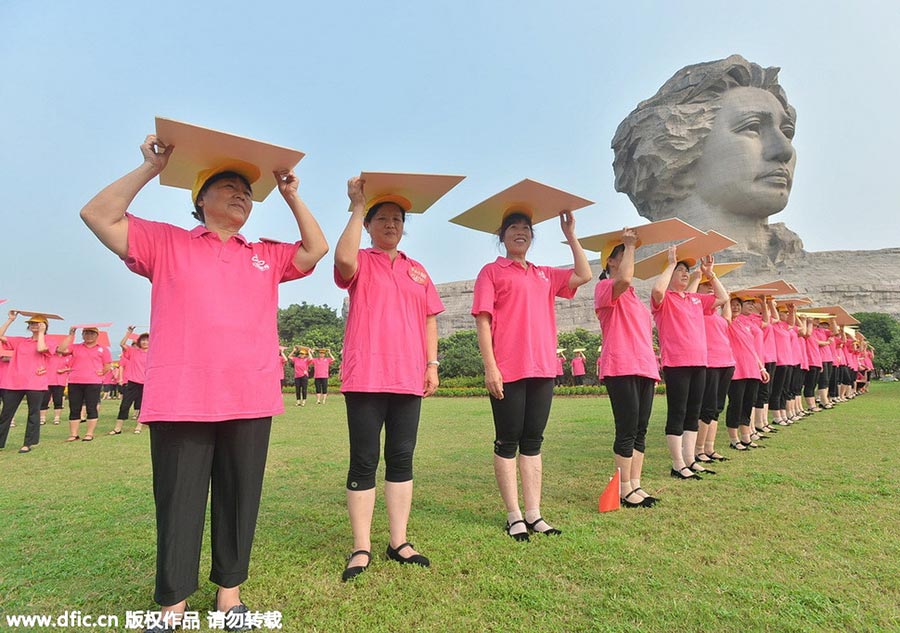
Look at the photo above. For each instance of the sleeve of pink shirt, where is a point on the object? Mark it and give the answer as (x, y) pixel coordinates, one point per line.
(433, 303)
(362, 260)
(483, 296)
(146, 240)
(603, 294)
(283, 254)
(107, 357)
(559, 278)
(708, 302)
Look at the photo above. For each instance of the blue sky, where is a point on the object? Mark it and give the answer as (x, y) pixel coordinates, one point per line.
(497, 91)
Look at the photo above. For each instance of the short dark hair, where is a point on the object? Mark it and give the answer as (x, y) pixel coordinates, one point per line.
(198, 210)
(376, 207)
(684, 263)
(617, 249)
(142, 337)
(512, 218)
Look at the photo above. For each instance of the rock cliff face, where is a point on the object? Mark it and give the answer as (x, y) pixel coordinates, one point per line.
(861, 281)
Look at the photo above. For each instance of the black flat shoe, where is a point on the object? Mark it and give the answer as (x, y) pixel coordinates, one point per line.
(648, 500)
(236, 615)
(352, 572)
(520, 536)
(551, 532)
(645, 502)
(705, 471)
(718, 458)
(415, 559)
(677, 474)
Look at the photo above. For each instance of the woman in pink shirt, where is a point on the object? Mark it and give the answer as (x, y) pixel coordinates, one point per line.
(627, 366)
(302, 362)
(578, 368)
(209, 413)
(389, 363)
(90, 363)
(135, 359)
(58, 368)
(784, 364)
(682, 342)
(560, 369)
(514, 310)
(321, 369)
(824, 330)
(750, 372)
(26, 378)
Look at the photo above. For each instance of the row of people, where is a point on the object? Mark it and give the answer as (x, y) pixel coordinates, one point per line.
(202, 441)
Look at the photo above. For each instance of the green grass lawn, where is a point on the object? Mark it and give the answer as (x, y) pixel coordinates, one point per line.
(801, 536)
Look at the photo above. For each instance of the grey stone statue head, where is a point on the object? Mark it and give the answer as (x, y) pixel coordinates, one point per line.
(713, 147)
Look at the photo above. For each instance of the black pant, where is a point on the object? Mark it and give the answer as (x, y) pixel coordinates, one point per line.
(715, 391)
(684, 396)
(398, 413)
(765, 388)
(741, 398)
(796, 384)
(188, 458)
(776, 388)
(321, 385)
(521, 417)
(631, 398)
(134, 395)
(833, 381)
(300, 385)
(54, 393)
(82, 394)
(579, 380)
(810, 382)
(12, 398)
(825, 376)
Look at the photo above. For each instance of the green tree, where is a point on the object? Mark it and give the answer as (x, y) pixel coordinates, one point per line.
(296, 320)
(459, 355)
(883, 333)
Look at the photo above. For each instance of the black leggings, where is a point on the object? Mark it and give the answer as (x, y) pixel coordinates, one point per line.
(825, 376)
(684, 395)
(134, 394)
(12, 398)
(54, 393)
(717, 381)
(398, 413)
(812, 379)
(762, 394)
(521, 417)
(776, 388)
(300, 385)
(796, 385)
(741, 398)
(631, 398)
(846, 375)
(82, 394)
(321, 385)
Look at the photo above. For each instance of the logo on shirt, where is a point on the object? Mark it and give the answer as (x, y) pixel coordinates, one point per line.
(542, 276)
(418, 275)
(260, 264)
(695, 301)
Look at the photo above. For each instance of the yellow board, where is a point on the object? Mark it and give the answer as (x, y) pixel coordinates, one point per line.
(691, 250)
(781, 287)
(842, 316)
(419, 190)
(29, 313)
(198, 148)
(671, 230)
(538, 201)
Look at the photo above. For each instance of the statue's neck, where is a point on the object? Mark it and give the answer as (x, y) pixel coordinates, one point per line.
(750, 233)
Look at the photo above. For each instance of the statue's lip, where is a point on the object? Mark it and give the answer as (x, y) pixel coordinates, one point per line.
(781, 172)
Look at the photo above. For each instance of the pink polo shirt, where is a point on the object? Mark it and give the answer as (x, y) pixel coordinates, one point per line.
(770, 350)
(321, 367)
(718, 345)
(55, 363)
(578, 366)
(822, 335)
(627, 334)
(87, 362)
(560, 366)
(747, 345)
(520, 302)
(4, 369)
(679, 323)
(25, 364)
(301, 366)
(205, 294)
(797, 349)
(783, 349)
(135, 364)
(384, 343)
(813, 355)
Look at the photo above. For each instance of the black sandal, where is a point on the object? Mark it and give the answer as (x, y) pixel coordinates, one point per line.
(415, 559)
(352, 572)
(551, 532)
(705, 471)
(648, 499)
(519, 536)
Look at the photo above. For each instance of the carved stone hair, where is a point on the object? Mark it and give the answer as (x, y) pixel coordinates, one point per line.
(657, 144)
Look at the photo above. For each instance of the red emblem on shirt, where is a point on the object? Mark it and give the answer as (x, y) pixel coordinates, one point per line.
(418, 275)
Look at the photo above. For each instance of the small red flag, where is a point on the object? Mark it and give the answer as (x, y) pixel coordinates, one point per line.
(609, 498)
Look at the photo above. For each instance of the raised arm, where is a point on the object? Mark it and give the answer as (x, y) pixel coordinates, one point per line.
(314, 245)
(706, 267)
(124, 342)
(105, 213)
(346, 253)
(493, 379)
(662, 282)
(582, 273)
(12, 317)
(42, 346)
(63, 347)
(625, 272)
